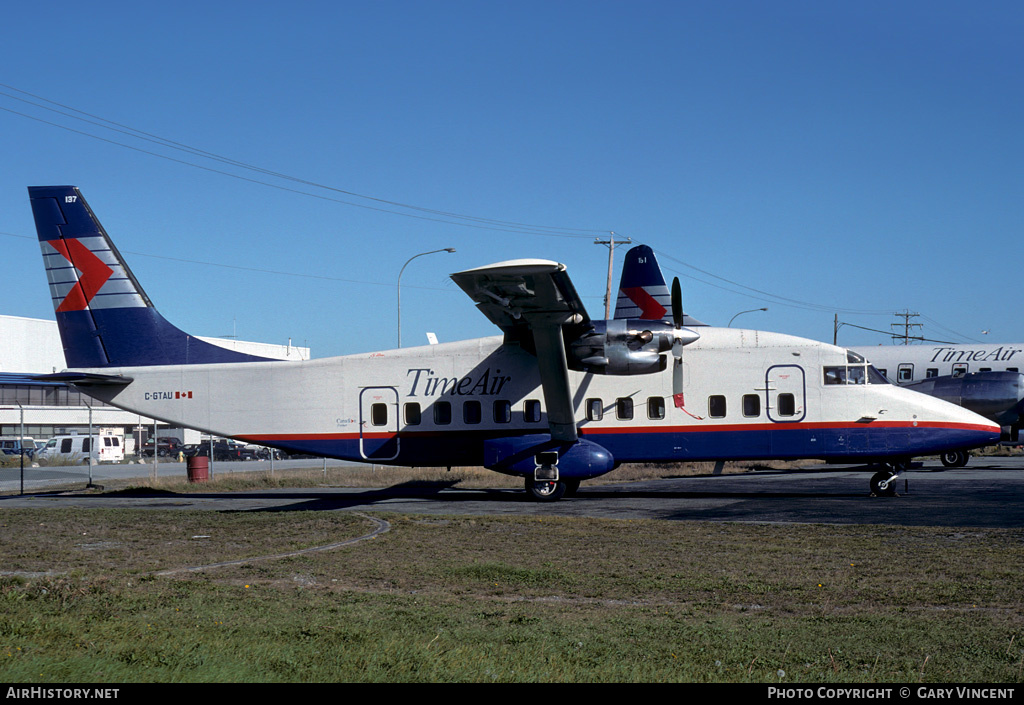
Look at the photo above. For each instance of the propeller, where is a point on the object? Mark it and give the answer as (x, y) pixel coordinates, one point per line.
(677, 344)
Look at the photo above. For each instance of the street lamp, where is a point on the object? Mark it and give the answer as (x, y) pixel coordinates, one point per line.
(446, 249)
(742, 312)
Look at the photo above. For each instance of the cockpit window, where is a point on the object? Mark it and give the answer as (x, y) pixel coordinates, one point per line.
(853, 374)
(876, 377)
(835, 375)
(854, 358)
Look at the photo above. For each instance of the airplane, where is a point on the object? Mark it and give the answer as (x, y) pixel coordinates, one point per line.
(985, 378)
(556, 399)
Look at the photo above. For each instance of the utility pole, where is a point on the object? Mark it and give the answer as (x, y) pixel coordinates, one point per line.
(906, 325)
(610, 242)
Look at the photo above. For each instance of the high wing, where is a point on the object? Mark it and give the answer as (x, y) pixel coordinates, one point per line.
(535, 304)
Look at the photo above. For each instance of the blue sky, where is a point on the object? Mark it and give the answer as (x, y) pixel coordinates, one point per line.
(813, 158)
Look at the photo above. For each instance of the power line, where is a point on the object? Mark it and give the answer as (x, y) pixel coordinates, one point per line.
(386, 206)
(764, 295)
(259, 270)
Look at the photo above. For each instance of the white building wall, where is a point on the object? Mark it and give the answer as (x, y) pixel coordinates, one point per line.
(33, 346)
(30, 345)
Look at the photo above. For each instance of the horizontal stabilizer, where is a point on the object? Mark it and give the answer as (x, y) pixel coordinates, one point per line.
(85, 379)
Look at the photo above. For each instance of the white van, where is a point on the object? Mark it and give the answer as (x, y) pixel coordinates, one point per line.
(74, 449)
(15, 445)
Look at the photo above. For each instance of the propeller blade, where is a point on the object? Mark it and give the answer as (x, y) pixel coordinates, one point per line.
(677, 344)
(677, 303)
(677, 381)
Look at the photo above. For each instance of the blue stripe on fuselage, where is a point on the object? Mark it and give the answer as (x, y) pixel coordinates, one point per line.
(763, 442)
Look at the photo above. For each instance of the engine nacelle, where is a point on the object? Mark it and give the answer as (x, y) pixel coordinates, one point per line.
(624, 346)
(521, 455)
(998, 396)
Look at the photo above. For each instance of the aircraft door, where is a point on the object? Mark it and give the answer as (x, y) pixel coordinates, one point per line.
(786, 392)
(378, 423)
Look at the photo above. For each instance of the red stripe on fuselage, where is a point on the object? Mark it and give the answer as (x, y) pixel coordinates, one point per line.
(639, 430)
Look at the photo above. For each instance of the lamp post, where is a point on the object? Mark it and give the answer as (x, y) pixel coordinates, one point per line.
(742, 312)
(445, 249)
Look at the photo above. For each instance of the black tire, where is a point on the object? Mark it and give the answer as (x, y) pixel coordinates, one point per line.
(545, 490)
(955, 458)
(876, 485)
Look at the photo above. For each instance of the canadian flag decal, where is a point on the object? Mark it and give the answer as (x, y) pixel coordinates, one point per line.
(93, 274)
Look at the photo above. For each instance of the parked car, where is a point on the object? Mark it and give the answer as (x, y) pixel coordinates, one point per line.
(75, 448)
(167, 446)
(222, 450)
(264, 453)
(15, 445)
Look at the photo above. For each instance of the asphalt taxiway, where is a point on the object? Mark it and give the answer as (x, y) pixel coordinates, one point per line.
(989, 492)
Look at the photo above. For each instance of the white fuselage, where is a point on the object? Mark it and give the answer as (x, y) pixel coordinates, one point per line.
(748, 394)
(911, 363)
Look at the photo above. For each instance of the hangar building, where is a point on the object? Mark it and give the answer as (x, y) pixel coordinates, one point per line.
(41, 410)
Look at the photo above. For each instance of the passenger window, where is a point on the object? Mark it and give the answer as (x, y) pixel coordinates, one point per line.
(1012, 369)
(751, 405)
(624, 408)
(595, 410)
(656, 407)
(442, 413)
(471, 412)
(86, 444)
(65, 445)
(984, 369)
(379, 414)
(502, 411)
(931, 372)
(531, 411)
(786, 404)
(716, 406)
(960, 369)
(905, 373)
(413, 414)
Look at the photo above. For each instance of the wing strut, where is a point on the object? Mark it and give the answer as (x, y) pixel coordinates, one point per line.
(554, 377)
(536, 305)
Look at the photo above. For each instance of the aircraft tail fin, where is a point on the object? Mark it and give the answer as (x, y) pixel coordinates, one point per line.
(104, 317)
(643, 293)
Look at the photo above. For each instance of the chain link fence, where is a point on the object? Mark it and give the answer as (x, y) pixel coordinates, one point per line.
(67, 448)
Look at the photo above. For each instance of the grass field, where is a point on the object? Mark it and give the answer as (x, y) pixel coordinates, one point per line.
(470, 599)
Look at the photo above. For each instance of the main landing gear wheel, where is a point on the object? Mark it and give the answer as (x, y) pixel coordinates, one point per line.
(955, 458)
(878, 479)
(545, 490)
